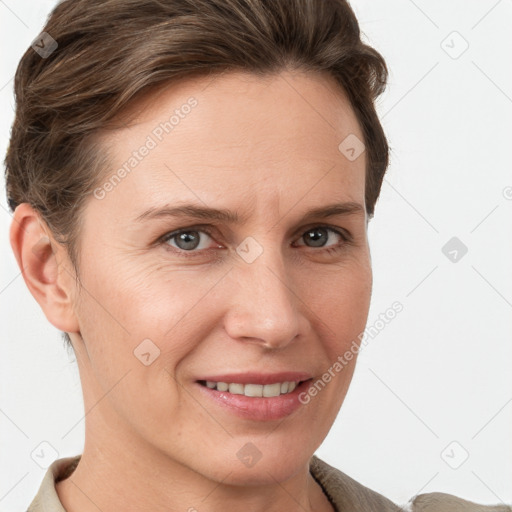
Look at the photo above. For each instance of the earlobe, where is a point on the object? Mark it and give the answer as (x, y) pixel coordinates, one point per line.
(45, 267)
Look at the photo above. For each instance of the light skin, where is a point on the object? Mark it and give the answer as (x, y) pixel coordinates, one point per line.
(267, 149)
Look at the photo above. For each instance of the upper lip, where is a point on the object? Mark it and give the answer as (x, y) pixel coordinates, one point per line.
(259, 378)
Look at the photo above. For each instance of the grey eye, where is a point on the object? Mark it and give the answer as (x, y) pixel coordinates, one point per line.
(188, 240)
(316, 237)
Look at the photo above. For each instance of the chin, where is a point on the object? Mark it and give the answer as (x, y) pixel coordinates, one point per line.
(263, 473)
(256, 467)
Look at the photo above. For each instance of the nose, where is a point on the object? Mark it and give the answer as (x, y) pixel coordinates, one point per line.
(264, 307)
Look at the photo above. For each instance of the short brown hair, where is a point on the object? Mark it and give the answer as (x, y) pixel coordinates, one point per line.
(111, 51)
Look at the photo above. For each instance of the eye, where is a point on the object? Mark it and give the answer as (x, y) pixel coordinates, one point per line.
(194, 241)
(187, 239)
(319, 235)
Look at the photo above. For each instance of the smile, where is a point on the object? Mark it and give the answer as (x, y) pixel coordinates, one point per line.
(256, 401)
(253, 390)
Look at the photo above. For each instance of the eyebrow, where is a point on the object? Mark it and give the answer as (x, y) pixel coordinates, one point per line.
(230, 217)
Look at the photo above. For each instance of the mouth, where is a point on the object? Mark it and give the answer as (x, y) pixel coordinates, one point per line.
(254, 399)
(252, 389)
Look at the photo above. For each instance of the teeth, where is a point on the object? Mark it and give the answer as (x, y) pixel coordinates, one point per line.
(222, 386)
(254, 390)
(272, 389)
(237, 389)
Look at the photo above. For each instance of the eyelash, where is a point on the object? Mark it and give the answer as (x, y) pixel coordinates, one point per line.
(346, 239)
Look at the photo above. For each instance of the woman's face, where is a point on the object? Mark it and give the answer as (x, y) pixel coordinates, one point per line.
(277, 291)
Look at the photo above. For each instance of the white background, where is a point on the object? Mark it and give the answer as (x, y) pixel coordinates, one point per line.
(440, 371)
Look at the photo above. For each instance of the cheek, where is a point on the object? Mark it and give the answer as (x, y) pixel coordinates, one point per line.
(135, 334)
(124, 305)
(342, 301)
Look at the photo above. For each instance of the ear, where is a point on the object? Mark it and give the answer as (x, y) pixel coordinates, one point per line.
(45, 267)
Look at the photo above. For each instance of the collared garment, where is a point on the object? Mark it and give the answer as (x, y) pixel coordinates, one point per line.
(344, 493)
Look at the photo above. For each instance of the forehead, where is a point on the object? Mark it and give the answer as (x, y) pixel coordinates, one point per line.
(215, 136)
(286, 87)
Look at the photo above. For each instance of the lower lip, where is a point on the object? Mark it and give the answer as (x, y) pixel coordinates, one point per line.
(257, 408)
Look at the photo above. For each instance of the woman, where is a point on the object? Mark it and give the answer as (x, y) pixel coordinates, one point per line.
(192, 182)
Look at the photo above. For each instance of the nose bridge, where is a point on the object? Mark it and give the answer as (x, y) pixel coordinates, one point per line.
(264, 308)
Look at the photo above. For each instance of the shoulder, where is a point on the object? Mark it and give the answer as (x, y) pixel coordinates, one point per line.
(47, 498)
(347, 494)
(442, 502)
